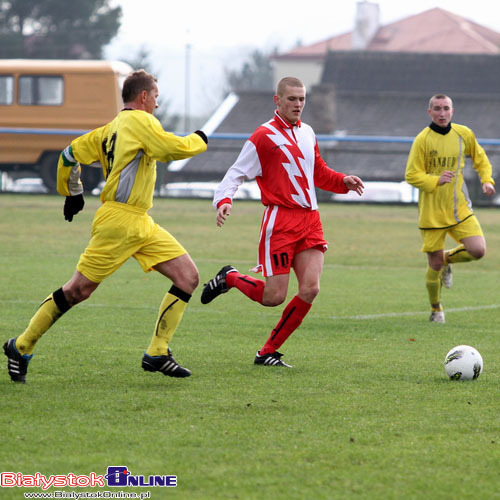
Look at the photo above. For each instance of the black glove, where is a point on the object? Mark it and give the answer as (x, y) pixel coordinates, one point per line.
(72, 206)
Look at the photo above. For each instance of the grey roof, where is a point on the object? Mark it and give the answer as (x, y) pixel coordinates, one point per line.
(427, 73)
(372, 94)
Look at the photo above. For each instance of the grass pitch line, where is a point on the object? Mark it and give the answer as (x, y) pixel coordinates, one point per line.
(414, 313)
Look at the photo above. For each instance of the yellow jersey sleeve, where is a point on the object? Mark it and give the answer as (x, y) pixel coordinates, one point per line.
(164, 146)
(480, 160)
(417, 174)
(69, 167)
(68, 174)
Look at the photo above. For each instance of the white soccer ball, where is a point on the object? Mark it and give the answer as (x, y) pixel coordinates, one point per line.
(463, 362)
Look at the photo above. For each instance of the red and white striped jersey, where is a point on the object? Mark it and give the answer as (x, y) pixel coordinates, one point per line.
(286, 162)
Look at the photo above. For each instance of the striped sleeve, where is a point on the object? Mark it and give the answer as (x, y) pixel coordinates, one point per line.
(68, 174)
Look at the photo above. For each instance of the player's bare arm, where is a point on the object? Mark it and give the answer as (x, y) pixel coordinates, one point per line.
(354, 183)
(222, 213)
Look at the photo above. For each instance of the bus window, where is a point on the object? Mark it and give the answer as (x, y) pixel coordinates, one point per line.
(6, 90)
(41, 90)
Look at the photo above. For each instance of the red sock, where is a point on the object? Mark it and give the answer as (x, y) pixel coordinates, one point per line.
(290, 320)
(251, 287)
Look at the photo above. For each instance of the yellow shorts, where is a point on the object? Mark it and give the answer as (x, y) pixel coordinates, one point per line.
(120, 231)
(434, 238)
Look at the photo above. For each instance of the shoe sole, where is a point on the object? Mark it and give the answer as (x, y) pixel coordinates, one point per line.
(284, 365)
(270, 362)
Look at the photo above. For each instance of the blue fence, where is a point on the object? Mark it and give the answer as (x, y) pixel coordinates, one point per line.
(320, 137)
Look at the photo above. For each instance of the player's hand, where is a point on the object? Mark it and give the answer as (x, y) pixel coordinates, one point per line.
(72, 206)
(446, 177)
(354, 183)
(222, 213)
(488, 189)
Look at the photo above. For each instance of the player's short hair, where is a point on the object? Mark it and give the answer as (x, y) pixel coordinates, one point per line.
(288, 81)
(439, 96)
(135, 83)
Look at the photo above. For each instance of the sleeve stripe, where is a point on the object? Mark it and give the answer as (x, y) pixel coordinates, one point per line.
(68, 158)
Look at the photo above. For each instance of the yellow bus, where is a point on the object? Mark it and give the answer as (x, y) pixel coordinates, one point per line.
(45, 104)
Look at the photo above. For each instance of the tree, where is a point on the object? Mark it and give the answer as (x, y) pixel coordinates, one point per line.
(255, 74)
(141, 61)
(56, 29)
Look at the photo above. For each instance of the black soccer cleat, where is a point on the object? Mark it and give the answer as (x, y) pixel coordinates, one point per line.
(164, 364)
(216, 285)
(270, 359)
(17, 364)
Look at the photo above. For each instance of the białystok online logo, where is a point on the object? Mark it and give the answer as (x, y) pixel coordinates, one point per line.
(117, 476)
(121, 476)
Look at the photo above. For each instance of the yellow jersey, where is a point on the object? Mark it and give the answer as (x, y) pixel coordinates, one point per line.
(432, 153)
(126, 149)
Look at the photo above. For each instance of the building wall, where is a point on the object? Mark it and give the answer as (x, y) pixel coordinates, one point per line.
(308, 71)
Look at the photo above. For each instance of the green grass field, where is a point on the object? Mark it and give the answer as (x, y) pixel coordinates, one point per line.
(366, 413)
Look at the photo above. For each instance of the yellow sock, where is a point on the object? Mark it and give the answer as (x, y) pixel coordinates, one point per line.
(458, 254)
(433, 283)
(51, 309)
(171, 310)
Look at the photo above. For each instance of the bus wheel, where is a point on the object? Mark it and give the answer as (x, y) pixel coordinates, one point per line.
(48, 171)
(91, 177)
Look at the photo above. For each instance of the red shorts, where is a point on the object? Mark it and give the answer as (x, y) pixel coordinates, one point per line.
(284, 233)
